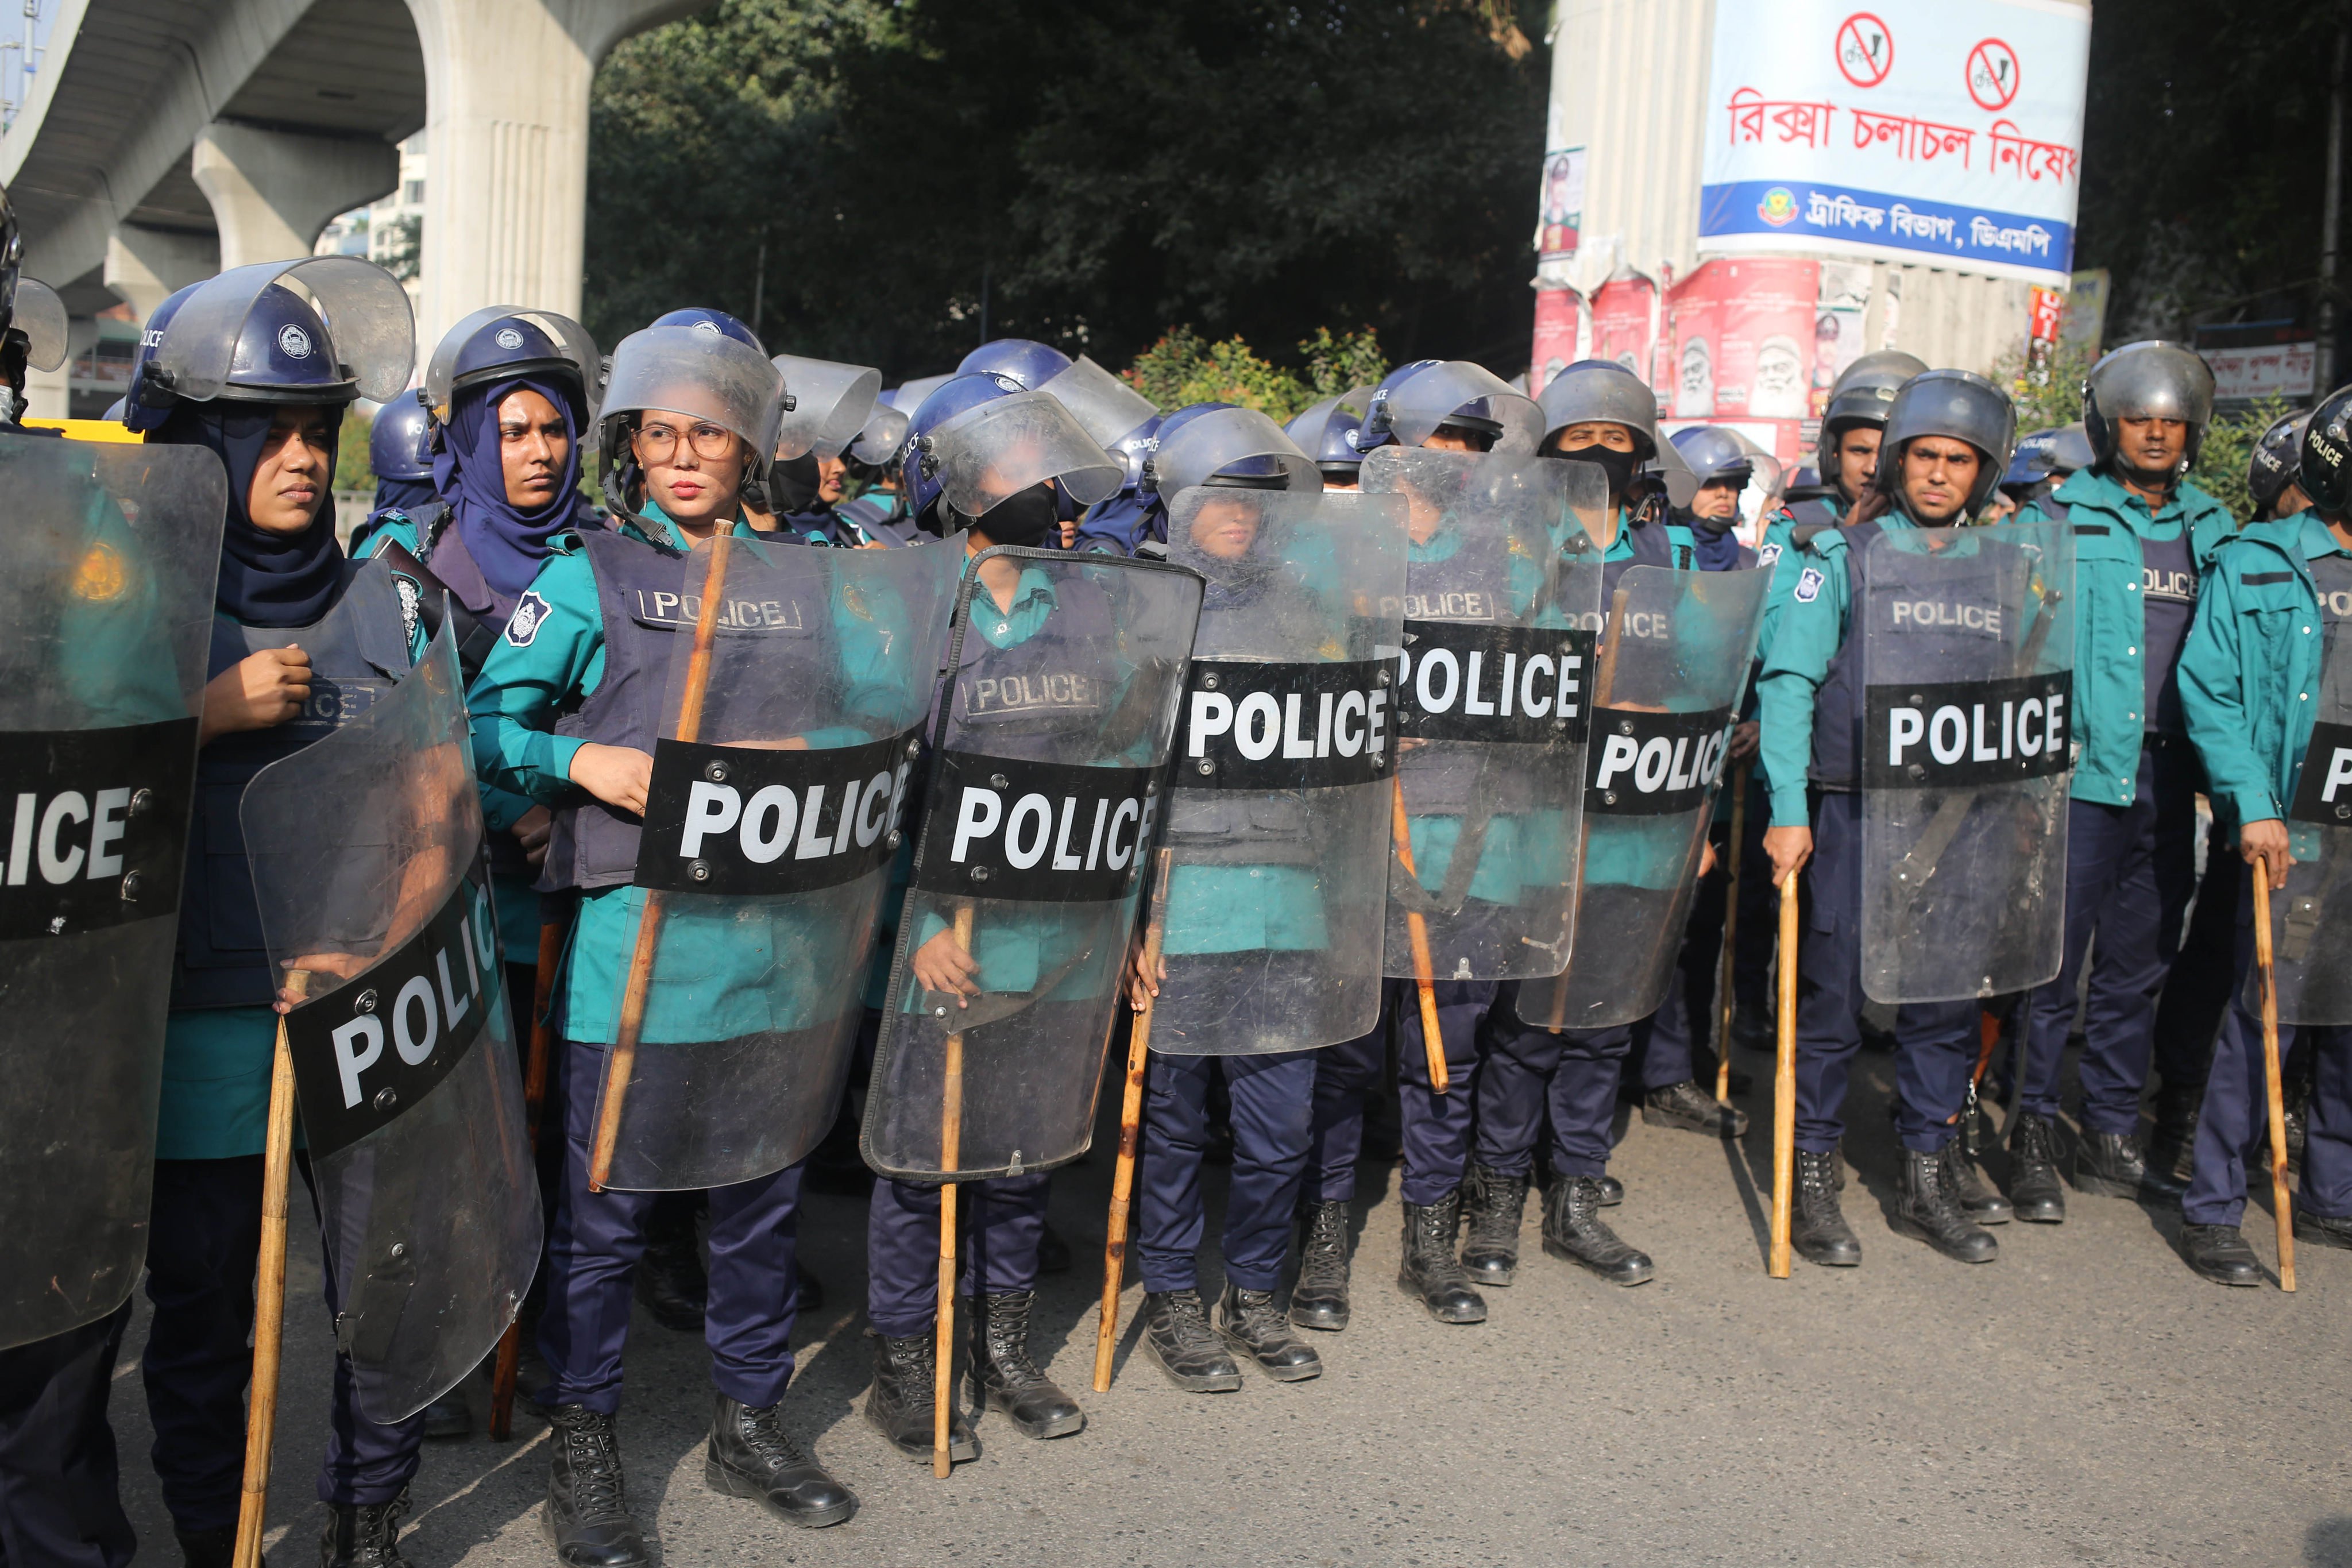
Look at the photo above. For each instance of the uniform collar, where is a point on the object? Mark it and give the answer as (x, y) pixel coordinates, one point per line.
(2317, 539)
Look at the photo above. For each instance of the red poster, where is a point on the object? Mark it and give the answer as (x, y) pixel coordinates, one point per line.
(1621, 323)
(1694, 331)
(1555, 344)
(1743, 334)
(2049, 309)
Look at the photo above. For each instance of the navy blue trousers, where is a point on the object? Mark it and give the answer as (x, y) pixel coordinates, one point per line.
(1528, 1071)
(1437, 1126)
(592, 1259)
(2197, 989)
(999, 1223)
(205, 1236)
(1273, 1119)
(1665, 1043)
(2129, 872)
(60, 1502)
(1759, 907)
(1935, 1042)
(2233, 1128)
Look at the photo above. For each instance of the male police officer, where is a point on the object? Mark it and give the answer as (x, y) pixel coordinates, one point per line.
(2143, 535)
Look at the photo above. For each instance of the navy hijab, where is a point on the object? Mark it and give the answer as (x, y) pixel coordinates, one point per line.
(266, 579)
(507, 544)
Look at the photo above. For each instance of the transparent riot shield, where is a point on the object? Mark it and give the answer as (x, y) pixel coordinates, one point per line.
(107, 560)
(372, 883)
(2309, 919)
(1278, 806)
(1493, 684)
(1666, 688)
(796, 700)
(1967, 654)
(1041, 813)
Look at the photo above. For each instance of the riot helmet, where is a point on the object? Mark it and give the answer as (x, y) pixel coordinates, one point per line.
(1958, 404)
(2324, 466)
(2148, 380)
(1027, 362)
(1413, 402)
(2275, 462)
(1323, 432)
(1219, 444)
(885, 429)
(324, 330)
(1715, 455)
(827, 405)
(982, 443)
(1106, 407)
(1600, 391)
(1860, 395)
(504, 343)
(699, 370)
(703, 318)
(400, 441)
(2045, 459)
(1135, 448)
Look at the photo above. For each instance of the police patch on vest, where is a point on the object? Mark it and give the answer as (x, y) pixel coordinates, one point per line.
(1655, 764)
(1283, 726)
(530, 615)
(2323, 794)
(1767, 552)
(1809, 584)
(1515, 684)
(1036, 832)
(95, 836)
(749, 822)
(1964, 733)
(370, 1050)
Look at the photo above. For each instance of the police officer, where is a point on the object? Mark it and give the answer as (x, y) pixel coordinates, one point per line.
(1947, 438)
(303, 641)
(2044, 460)
(400, 453)
(566, 711)
(1853, 423)
(2267, 638)
(876, 515)
(1003, 1218)
(2143, 536)
(1328, 432)
(1460, 409)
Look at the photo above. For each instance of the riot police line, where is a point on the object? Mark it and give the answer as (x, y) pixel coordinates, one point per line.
(549, 886)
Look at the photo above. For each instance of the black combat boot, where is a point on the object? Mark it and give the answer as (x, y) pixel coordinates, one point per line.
(1612, 1192)
(1319, 1300)
(671, 1284)
(2035, 1191)
(1494, 1204)
(2109, 1164)
(366, 1536)
(1005, 1378)
(1979, 1199)
(1817, 1226)
(2219, 1253)
(209, 1548)
(1928, 1205)
(1254, 1325)
(1573, 1229)
(2322, 1229)
(1430, 1269)
(586, 1515)
(1691, 1108)
(1176, 1334)
(903, 1400)
(749, 1456)
(2173, 1145)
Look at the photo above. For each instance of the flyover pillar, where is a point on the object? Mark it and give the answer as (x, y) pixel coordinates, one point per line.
(145, 265)
(274, 192)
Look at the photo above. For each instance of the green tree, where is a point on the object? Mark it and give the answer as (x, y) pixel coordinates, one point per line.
(2220, 470)
(1183, 368)
(353, 471)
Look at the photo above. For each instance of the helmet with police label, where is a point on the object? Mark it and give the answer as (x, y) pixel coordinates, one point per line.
(1956, 404)
(700, 372)
(2324, 467)
(2275, 462)
(316, 330)
(400, 442)
(982, 439)
(2148, 380)
(1027, 362)
(1219, 444)
(1135, 448)
(1415, 401)
(500, 342)
(2045, 455)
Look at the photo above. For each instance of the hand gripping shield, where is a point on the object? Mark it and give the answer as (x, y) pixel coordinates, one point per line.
(1967, 654)
(107, 563)
(1052, 745)
(2309, 919)
(790, 737)
(1672, 665)
(1493, 683)
(1278, 811)
(369, 874)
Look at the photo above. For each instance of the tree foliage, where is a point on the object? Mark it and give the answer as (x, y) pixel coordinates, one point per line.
(874, 181)
(1183, 368)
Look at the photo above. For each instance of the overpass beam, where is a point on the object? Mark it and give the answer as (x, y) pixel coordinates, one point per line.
(506, 203)
(274, 192)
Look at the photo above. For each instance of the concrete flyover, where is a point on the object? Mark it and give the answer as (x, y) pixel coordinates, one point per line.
(164, 140)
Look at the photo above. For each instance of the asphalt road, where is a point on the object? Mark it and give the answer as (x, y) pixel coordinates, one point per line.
(2084, 1399)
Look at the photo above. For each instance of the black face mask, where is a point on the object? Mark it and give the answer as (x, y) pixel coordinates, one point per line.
(792, 484)
(1619, 466)
(1023, 519)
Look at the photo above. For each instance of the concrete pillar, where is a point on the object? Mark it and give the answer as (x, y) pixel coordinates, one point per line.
(274, 192)
(48, 394)
(146, 266)
(507, 184)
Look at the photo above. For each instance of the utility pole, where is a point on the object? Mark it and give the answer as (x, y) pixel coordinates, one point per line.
(2331, 210)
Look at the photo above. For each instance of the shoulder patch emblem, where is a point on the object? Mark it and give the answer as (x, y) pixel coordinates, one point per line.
(1767, 552)
(530, 614)
(1809, 585)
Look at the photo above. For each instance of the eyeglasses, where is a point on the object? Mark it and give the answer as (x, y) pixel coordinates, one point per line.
(658, 443)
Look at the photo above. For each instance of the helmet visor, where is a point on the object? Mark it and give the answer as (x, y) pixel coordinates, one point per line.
(1457, 389)
(1105, 406)
(365, 309)
(1238, 443)
(2153, 381)
(40, 315)
(877, 443)
(702, 374)
(991, 453)
(830, 404)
